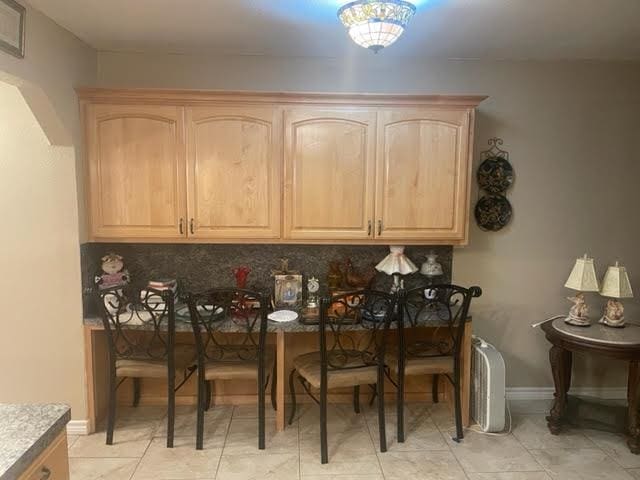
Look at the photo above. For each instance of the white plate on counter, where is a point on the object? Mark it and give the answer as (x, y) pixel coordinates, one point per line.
(282, 316)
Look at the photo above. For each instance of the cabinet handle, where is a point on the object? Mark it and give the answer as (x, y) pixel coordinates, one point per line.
(45, 473)
(369, 229)
(191, 226)
(379, 227)
(181, 226)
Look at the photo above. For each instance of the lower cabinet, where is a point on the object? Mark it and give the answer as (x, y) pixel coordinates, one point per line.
(52, 464)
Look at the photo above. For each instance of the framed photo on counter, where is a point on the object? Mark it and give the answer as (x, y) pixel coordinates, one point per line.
(288, 291)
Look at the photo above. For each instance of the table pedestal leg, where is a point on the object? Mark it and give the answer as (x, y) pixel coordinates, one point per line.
(560, 360)
(633, 397)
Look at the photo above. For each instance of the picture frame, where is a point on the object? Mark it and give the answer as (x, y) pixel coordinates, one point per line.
(12, 30)
(288, 291)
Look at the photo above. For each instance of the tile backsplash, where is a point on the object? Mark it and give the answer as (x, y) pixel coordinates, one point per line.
(202, 266)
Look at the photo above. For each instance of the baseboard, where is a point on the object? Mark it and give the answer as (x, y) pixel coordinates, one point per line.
(546, 393)
(78, 427)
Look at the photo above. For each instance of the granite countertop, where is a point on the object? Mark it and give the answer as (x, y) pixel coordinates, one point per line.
(429, 318)
(25, 432)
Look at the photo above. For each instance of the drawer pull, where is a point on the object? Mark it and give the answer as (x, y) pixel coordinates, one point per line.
(45, 474)
(369, 229)
(379, 227)
(181, 226)
(191, 226)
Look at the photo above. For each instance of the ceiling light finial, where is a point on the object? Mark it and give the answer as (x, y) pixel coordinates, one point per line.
(376, 24)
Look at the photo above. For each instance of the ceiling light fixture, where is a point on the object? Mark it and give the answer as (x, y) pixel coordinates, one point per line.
(376, 24)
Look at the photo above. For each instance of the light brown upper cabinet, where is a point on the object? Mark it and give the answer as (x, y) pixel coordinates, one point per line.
(234, 171)
(192, 166)
(136, 171)
(422, 190)
(329, 173)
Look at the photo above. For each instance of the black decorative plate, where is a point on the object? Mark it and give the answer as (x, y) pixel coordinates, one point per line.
(495, 175)
(493, 212)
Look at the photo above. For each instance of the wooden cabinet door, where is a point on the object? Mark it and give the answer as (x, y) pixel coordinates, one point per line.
(423, 174)
(136, 171)
(234, 171)
(329, 178)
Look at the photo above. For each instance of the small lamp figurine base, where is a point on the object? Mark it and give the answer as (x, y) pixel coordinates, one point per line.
(613, 314)
(579, 313)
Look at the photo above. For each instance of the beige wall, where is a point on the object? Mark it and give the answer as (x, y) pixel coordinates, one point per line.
(572, 131)
(41, 345)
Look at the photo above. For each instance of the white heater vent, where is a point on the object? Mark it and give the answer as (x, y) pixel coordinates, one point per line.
(487, 386)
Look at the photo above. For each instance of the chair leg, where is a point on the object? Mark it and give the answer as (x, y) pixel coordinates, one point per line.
(274, 384)
(458, 406)
(434, 388)
(207, 399)
(171, 409)
(111, 414)
(200, 413)
(400, 408)
(382, 428)
(261, 409)
(292, 391)
(324, 451)
(136, 392)
(356, 399)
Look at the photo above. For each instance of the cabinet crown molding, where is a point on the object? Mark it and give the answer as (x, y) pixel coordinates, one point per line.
(195, 97)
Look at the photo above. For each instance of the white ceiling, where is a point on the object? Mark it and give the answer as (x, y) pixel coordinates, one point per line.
(491, 29)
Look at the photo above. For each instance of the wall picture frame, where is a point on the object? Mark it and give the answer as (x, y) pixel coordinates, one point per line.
(12, 31)
(288, 291)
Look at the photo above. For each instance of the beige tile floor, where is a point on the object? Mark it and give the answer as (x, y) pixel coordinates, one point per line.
(230, 450)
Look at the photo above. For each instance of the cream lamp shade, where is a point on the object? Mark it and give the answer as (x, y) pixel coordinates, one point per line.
(616, 283)
(396, 263)
(583, 276)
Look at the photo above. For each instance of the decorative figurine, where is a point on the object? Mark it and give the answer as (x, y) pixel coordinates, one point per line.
(241, 274)
(313, 286)
(114, 274)
(355, 279)
(334, 277)
(431, 268)
(579, 312)
(613, 314)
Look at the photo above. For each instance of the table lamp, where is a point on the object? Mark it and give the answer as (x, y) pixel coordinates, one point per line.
(615, 285)
(583, 279)
(396, 264)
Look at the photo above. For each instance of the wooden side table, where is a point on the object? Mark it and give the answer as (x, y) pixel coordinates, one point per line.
(620, 343)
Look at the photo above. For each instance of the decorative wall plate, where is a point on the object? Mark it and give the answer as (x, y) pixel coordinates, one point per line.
(493, 212)
(495, 175)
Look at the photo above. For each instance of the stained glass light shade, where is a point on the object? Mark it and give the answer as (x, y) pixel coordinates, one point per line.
(376, 24)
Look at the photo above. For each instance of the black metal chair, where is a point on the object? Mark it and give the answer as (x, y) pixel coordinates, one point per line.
(348, 358)
(223, 358)
(449, 304)
(140, 327)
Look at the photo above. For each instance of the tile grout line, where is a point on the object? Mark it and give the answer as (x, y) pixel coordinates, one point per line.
(376, 445)
(226, 435)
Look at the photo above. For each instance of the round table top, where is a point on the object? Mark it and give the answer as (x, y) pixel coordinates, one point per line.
(629, 336)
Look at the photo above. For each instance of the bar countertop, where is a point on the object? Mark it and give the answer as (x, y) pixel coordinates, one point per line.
(25, 432)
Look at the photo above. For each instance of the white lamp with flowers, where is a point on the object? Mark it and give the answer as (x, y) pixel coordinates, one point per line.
(396, 264)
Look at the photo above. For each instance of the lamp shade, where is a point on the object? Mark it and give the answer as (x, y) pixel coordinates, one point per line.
(396, 262)
(583, 276)
(616, 283)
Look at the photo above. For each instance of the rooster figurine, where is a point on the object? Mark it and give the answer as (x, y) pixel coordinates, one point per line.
(358, 280)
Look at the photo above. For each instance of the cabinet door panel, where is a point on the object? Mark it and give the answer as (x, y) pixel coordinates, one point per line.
(329, 158)
(423, 174)
(136, 171)
(234, 158)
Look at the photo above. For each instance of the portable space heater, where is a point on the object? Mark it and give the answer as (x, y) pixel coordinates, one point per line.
(488, 400)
